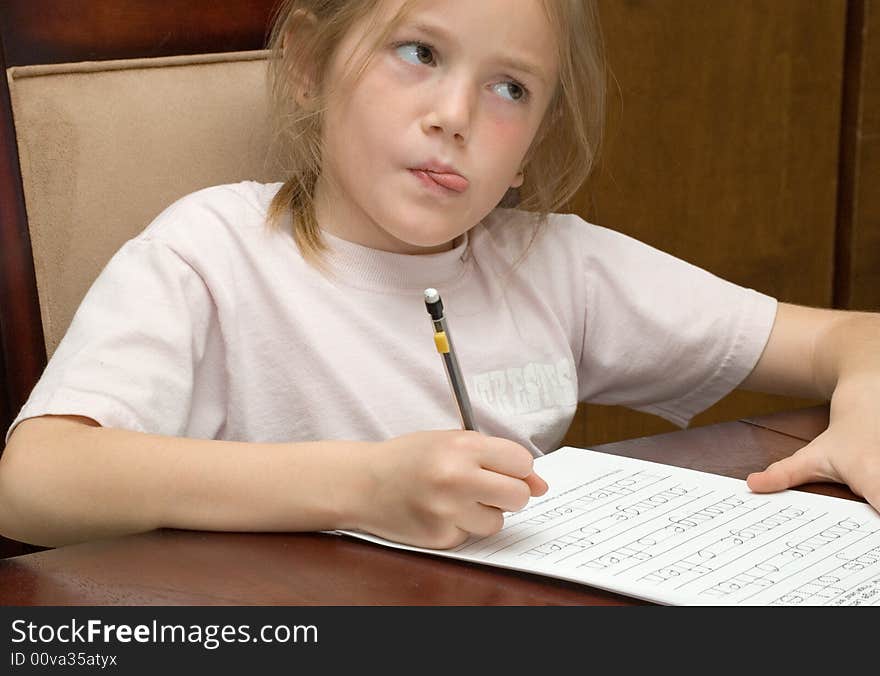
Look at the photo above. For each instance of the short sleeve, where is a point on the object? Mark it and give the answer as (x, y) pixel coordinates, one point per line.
(129, 357)
(661, 335)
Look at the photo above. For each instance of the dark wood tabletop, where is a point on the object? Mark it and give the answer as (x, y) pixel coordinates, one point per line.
(171, 567)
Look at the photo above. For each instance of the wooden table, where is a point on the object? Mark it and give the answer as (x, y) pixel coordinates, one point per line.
(170, 567)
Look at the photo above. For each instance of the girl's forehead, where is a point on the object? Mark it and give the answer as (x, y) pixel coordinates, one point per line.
(497, 14)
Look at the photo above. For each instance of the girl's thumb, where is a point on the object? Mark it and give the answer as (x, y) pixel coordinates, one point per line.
(804, 466)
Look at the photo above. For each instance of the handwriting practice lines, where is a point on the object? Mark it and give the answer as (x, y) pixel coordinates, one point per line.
(681, 537)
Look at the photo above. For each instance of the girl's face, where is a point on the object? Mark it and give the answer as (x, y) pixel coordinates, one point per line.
(465, 92)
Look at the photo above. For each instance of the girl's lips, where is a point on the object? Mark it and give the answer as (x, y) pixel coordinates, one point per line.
(453, 182)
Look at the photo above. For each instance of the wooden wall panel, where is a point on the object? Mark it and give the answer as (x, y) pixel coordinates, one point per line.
(858, 278)
(722, 149)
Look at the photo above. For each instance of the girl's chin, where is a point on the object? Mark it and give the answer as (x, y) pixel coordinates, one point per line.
(423, 245)
(419, 250)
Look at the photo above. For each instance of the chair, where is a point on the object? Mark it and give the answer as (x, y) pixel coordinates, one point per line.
(110, 111)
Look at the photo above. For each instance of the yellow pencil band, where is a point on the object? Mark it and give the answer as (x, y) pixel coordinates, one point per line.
(441, 342)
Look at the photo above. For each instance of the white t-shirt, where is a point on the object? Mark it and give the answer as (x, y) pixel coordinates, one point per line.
(209, 324)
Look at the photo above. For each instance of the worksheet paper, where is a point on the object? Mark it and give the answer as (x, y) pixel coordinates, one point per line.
(682, 537)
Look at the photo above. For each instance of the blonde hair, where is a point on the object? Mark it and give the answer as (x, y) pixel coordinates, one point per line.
(303, 38)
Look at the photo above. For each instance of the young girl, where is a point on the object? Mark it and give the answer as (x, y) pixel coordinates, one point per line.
(260, 357)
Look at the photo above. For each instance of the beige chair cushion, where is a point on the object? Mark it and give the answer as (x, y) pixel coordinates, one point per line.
(105, 146)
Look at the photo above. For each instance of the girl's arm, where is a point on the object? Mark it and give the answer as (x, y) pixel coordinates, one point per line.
(826, 354)
(64, 479)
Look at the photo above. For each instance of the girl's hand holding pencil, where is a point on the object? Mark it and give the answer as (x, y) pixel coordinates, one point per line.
(437, 488)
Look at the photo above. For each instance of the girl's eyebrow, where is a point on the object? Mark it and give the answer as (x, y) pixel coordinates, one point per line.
(505, 60)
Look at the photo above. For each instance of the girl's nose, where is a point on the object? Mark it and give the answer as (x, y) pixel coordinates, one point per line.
(452, 110)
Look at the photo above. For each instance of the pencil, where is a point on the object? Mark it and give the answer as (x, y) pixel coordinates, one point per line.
(443, 342)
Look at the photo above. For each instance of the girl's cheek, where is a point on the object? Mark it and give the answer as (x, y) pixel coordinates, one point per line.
(509, 131)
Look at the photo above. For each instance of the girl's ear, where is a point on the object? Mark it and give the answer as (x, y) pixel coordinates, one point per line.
(518, 181)
(299, 30)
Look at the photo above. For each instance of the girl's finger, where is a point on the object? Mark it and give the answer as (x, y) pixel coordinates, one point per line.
(536, 484)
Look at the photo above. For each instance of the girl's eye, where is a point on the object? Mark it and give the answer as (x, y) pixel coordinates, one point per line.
(517, 91)
(420, 53)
